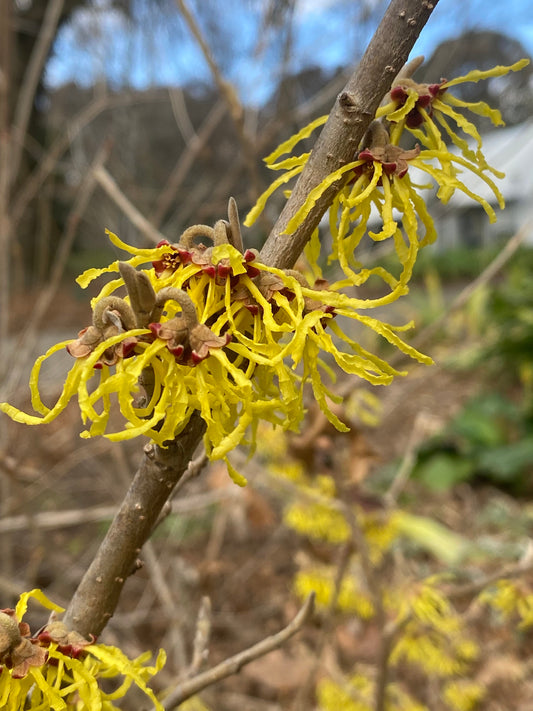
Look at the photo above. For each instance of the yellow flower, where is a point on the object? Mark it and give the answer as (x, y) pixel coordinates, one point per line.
(377, 180)
(358, 694)
(61, 670)
(209, 330)
(321, 580)
(463, 695)
(510, 598)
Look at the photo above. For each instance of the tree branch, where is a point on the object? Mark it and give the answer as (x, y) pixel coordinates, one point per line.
(137, 219)
(97, 595)
(234, 664)
(352, 113)
(30, 83)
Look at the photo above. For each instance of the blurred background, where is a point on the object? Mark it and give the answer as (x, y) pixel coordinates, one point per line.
(143, 117)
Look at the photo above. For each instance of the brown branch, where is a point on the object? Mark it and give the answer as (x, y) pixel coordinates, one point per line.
(136, 218)
(27, 339)
(230, 96)
(44, 520)
(234, 664)
(97, 595)
(32, 75)
(6, 176)
(201, 638)
(195, 144)
(352, 113)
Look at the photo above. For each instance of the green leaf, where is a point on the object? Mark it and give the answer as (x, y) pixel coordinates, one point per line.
(432, 536)
(507, 462)
(443, 470)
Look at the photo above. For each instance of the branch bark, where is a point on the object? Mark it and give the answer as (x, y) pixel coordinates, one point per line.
(351, 115)
(98, 593)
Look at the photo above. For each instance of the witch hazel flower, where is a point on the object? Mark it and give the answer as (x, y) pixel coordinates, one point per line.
(57, 669)
(378, 182)
(208, 329)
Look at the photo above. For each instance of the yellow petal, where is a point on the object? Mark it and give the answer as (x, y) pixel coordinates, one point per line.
(259, 206)
(477, 74)
(289, 144)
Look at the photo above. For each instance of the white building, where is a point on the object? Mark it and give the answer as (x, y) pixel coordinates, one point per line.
(464, 222)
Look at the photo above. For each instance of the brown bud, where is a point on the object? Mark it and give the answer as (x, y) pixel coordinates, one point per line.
(9, 633)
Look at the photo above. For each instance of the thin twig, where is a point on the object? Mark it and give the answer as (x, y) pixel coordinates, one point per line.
(485, 277)
(345, 554)
(136, 218)
(230, 96)
(26, 340)
(201, 638)
(30, 82)
(180, 113)
(47, 520)
(195, 144)
(474, 588)
(6, 175)
(167, 602)
(234, 664)
(419, 431)
(196, 466)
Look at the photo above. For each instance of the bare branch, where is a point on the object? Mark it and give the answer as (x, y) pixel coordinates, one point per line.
(30, 82)
(97, 595)
(45, 520)
(497, 264)
(185, 162)
(353, 111)
(6, 175)
(229, 94)
(27, 339)
(234, 664)
(136, 218)
(201, 638)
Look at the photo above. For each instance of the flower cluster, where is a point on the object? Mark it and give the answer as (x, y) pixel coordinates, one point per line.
(208, 329)
(358, 694)
(190, 327)
(378, 181)
(59, 670)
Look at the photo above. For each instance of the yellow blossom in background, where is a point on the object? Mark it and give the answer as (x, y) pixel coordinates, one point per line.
(358, 694)
(510, 598)
(463, 695)
(59, 670)
(352, 597)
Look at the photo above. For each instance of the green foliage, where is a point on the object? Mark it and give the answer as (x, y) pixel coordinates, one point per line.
(510, 311)
(488, 439)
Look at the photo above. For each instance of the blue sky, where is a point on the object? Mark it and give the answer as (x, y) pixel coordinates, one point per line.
(100, 43)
